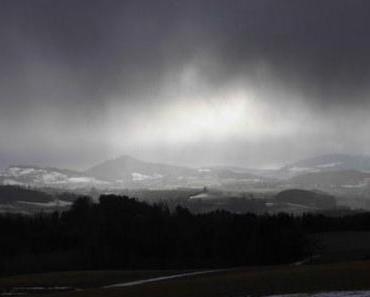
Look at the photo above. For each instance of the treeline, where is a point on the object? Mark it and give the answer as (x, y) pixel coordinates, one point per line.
(332, 222)
(123, 233)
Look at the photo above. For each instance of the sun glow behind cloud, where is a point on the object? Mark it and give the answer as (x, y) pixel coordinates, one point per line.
(233, 114)
(194, 120)
(196, 112)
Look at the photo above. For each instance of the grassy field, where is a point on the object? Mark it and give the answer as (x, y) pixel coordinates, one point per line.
(235, 283)
(343, 246)
(78, 279)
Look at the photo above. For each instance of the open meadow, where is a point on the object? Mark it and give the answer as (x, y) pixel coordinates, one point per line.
(238, 282)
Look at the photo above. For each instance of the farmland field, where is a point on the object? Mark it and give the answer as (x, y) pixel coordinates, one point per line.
(251, 281)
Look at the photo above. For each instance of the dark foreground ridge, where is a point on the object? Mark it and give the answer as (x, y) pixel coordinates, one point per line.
(123, 233)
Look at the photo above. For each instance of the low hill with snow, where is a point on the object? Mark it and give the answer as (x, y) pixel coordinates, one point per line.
(333, 162)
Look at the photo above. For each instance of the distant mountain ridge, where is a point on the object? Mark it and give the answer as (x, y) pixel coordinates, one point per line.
(325, 180)
(27, 175)
(329, 172)
(335, 170)
(125, 167)
(333, 162)
(121, 172)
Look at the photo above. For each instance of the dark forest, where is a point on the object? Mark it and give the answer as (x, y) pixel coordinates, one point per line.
(123, 233)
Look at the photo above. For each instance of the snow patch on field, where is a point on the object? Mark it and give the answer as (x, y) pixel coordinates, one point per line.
(43, 176)
(12, 182)
(315, 168)
(53, 177)
(329, 165)
(161, 278)
(140, 177)
(55, 203)
(84, 180)
(297, 169)
(360, 185)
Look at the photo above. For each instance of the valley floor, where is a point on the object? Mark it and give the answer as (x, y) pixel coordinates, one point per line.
(251, 281)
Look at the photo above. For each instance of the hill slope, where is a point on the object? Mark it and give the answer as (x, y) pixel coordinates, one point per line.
(128, 168)
(344, 179)
(333, 162)
(306, 198)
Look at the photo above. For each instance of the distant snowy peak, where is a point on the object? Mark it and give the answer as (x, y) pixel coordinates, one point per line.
(329, 165)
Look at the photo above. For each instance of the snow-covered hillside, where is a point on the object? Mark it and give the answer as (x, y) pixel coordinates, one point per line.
(46, 177)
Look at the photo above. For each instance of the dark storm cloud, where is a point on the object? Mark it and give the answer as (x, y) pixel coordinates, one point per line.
(63, 64)
(110, 46)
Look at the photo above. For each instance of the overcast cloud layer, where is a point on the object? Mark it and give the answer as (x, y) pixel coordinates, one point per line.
(252, 83)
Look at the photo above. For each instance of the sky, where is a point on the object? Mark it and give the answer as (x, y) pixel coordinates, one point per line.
(255, 83)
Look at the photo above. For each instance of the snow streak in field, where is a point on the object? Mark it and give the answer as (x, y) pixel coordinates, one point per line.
(161, 278)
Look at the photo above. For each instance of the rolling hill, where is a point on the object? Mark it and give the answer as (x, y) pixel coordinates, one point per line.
(343, 179)
(124, 172)
(324, 163)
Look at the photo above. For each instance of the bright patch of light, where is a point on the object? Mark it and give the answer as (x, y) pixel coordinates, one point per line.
(234, 114)
(192, 120)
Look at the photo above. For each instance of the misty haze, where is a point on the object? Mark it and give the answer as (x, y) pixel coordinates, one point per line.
(190, 148)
